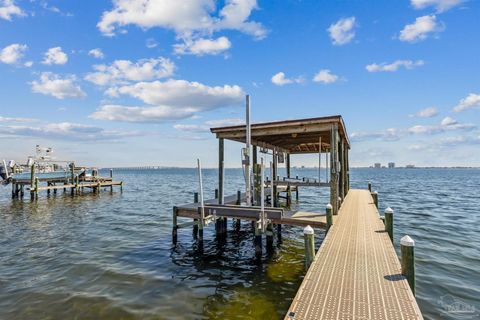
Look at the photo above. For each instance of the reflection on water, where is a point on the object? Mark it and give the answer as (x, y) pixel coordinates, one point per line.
(110, 256)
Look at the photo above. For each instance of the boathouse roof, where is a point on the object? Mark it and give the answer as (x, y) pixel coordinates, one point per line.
(290, 136)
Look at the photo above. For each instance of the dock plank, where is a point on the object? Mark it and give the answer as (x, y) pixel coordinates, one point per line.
(356, 273)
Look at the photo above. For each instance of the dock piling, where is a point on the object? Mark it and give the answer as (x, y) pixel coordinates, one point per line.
(389, 222)
(375, 198)
(175, 226)
(258, 241)
(195, 225)
(370, 186)
(269, 234)
(407, 250)
(329, 216)
(309, 236)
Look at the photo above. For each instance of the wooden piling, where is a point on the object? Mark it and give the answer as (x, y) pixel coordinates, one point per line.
(389, 222)
(309, 237)
(258, 241)
(257, 180)
(269, 233)
(407, 251)
(111, 177)
(329, 216)
(195, 225)
(369, 186)
(375, 198)
(175, 226)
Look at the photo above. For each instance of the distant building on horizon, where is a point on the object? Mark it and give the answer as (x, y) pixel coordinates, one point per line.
(410, 166)
(391, 165)
(377, 165)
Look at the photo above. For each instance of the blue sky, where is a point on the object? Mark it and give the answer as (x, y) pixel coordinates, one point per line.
(139, 82)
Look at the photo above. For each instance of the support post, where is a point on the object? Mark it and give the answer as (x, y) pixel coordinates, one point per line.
(288, 165)
(111, 178)
(389, 222)
(369, 186)
(175, 226)
(329, 216)
(239, 197)
(407, 250)
(309, 237)
(32, 181)
(258, 241)
(257, 182)
(375, 198)
(221, 170)
(274, 189)
(334, 168)
(36, 187)
(195, 226)
(269, 233)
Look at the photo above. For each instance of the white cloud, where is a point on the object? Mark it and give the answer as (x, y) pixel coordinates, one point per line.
(202, 46)
(55, 56)
(196, 128)
(28, 64)
(200, 128)
(427, 112)
(325, 76)
(342, 31)
(421, 28)
(448, 121)
(96, 53)
(390, 134)
(225, 122)
(394, 66)
(184, 17)
(65, 131)
(470, 101)
(56, 86)
(18, 120)
(279, 79)
(447, 124)
(184, 94)
(150, 43)
(439, 5)
(8, 9)
(124, 71)
(169, 100)
(141, 114)
(12, 53)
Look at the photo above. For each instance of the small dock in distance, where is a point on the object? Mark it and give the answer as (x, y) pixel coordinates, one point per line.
(356, 273)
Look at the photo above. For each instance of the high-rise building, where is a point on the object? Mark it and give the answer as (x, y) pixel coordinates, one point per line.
(377, 165)
(391, 165)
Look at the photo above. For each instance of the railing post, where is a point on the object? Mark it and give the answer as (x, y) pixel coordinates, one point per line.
(329, 216)
(309, 237)
(389, 222)
(407, 250)
(375, 198)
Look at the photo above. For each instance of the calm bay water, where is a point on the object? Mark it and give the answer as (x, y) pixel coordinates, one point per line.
(110, 256)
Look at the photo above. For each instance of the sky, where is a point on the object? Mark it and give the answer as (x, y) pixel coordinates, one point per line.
(140, 82)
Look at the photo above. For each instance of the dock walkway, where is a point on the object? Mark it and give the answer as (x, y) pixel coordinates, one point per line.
(356, 273)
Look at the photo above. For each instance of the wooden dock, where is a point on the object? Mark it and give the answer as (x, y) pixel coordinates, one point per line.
(356, 273)
(232, 208)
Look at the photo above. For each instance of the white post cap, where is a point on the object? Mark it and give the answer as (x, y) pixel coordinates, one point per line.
(389, 210)
(339, 198)
(329, 206)
(308, 230)
(376, 192)
(407, 241)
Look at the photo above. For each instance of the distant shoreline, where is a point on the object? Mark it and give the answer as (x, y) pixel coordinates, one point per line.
(298, 168)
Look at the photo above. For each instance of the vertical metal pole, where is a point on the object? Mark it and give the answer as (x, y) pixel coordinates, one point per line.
(221, 170)
(200, 182)
(320, 160)
(272, 180)
(247, 155)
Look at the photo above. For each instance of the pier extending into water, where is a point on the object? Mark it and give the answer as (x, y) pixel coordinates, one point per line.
(75, 180)
(356, 273)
